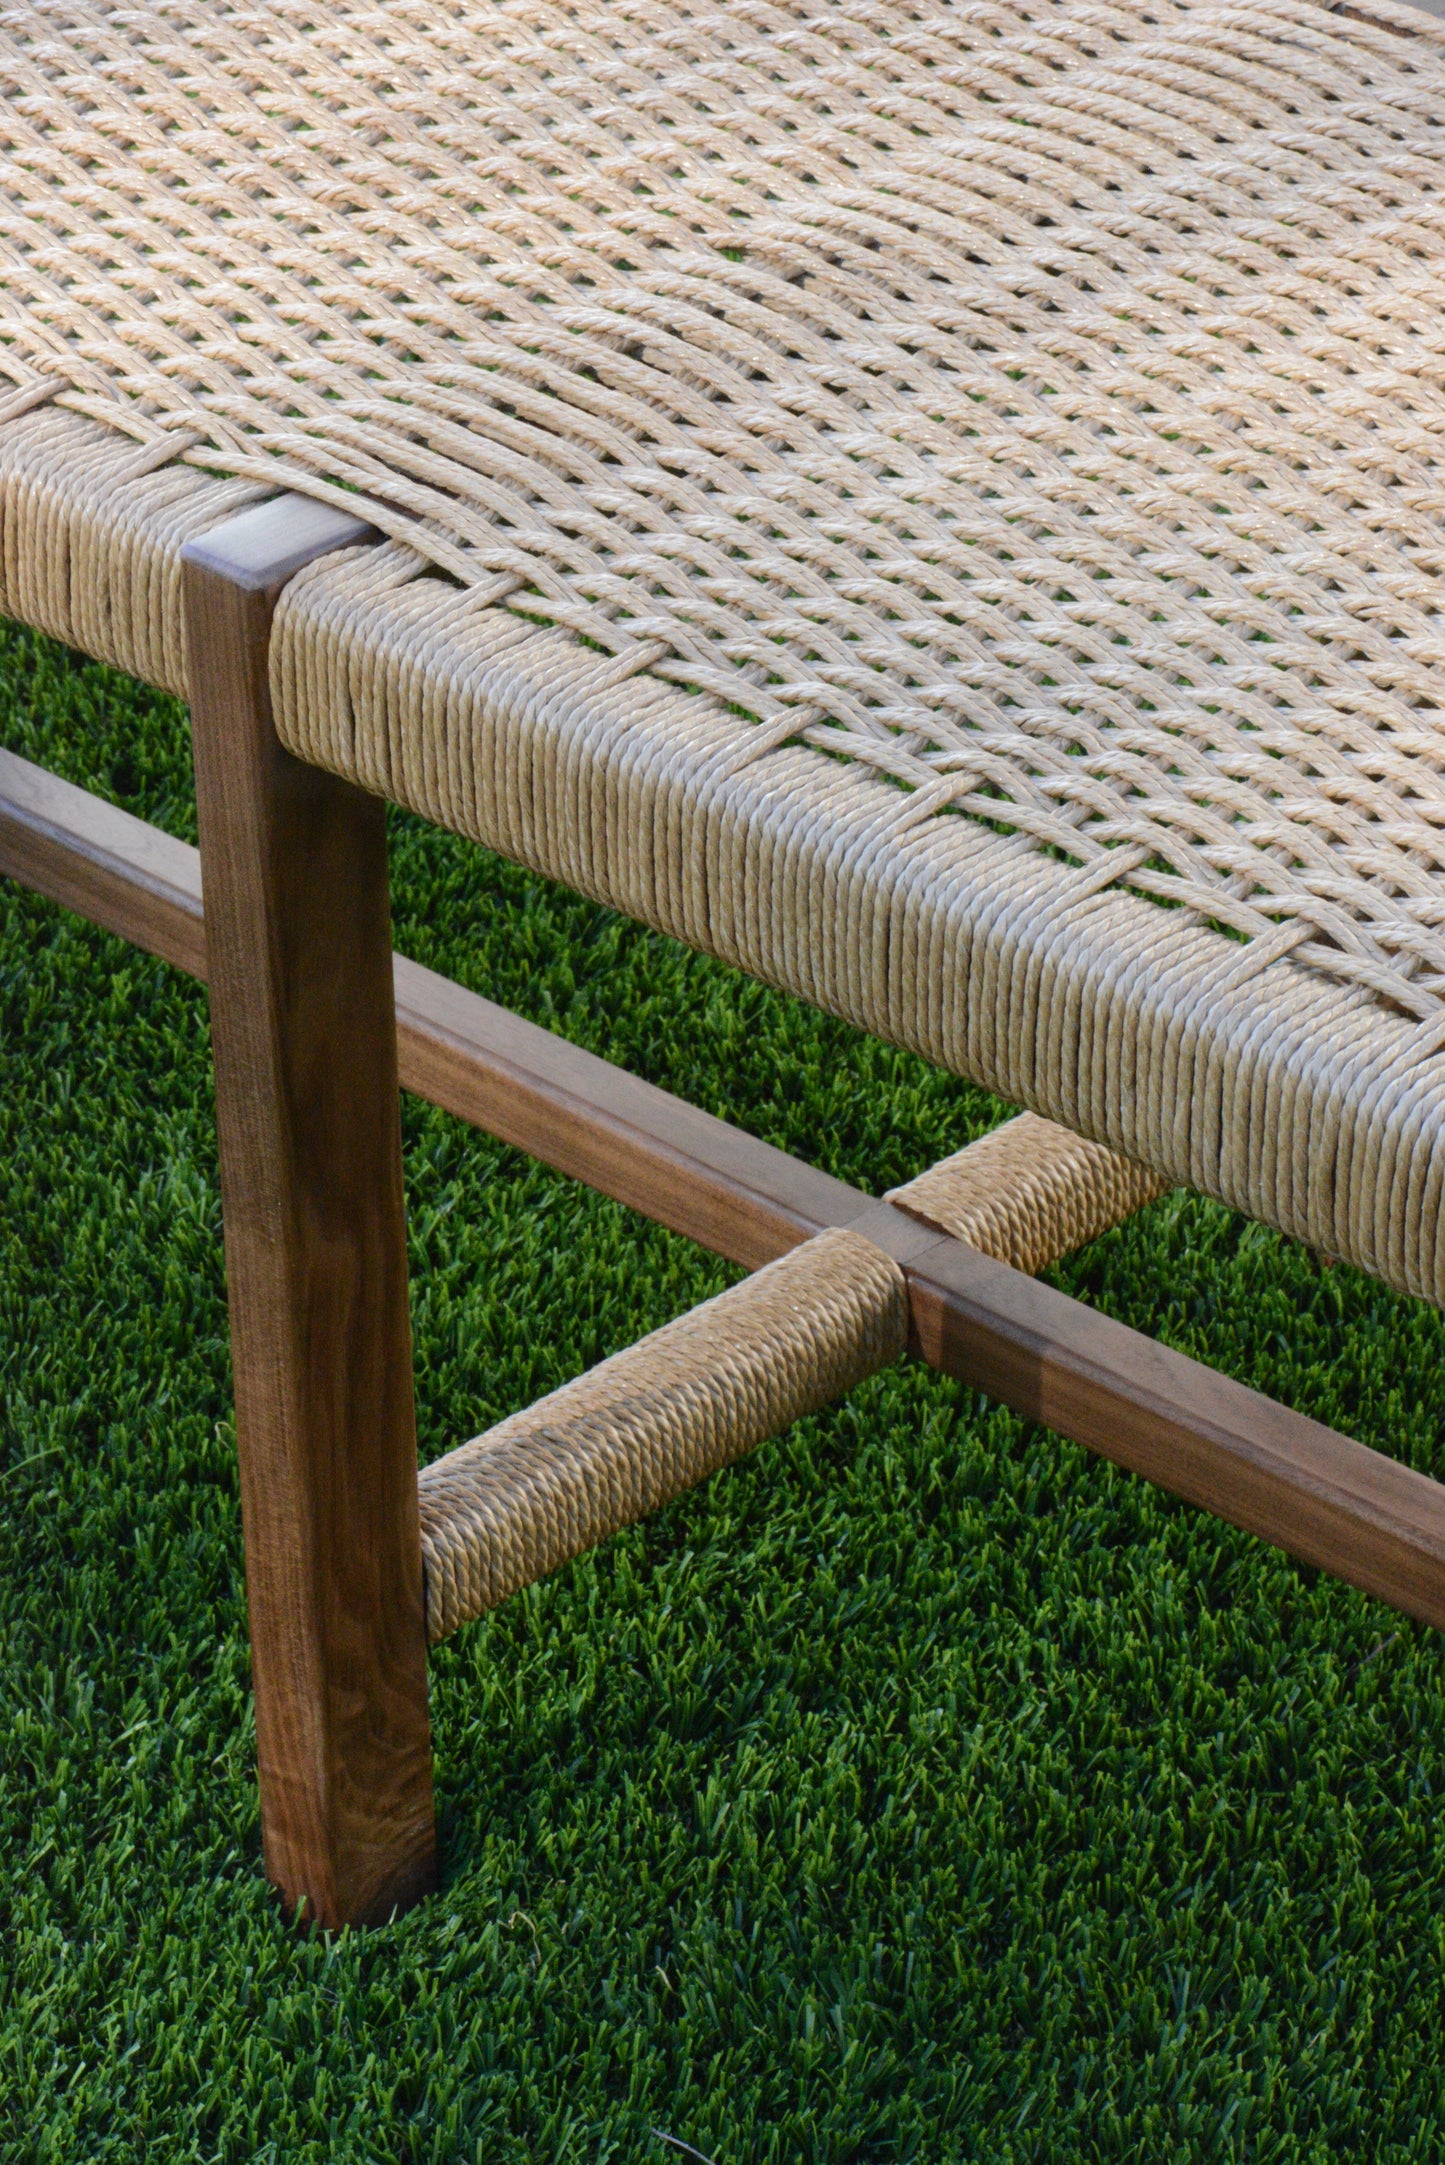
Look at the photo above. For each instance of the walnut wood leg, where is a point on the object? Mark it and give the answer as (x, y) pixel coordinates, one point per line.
(298, 943)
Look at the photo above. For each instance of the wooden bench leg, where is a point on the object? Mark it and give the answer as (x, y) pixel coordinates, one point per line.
(298, 942)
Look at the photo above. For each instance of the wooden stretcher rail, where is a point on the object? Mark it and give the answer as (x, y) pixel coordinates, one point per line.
(1306, 1488)
(683, 1168)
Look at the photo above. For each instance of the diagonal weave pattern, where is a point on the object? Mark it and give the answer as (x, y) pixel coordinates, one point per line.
(1039, 403)
(602, 1452)
(1029, 1192)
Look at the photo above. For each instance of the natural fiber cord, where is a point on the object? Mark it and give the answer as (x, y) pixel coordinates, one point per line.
(1040, 404)
(1028, 1193)
(1297, 1099)
(602, 1452)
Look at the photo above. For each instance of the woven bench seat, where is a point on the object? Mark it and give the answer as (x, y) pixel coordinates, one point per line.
(1302, 1101)
(944, 513)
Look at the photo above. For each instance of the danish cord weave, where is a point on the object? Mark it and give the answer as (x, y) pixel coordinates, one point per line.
(1029, 1192)
(652, 1421)
(1293, 1097)
(1039, 405)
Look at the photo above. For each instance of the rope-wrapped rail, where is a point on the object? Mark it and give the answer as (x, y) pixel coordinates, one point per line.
(1029, 1192)
(630, 1434)
(654, 1420)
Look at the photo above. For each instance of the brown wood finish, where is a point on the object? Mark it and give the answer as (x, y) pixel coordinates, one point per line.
(104, 864)
(586, 1117)
(1294, 1482)
(1290, 1480)
(298, 954)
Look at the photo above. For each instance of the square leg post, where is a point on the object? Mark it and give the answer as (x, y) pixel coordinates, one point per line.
(298, 947)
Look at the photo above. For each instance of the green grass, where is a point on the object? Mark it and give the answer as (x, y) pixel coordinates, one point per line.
(921, 1789)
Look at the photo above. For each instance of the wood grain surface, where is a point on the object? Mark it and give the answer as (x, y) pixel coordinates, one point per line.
(298, 958)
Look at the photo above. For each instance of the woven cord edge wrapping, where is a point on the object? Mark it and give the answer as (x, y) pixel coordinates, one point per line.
(1304, 1104)
(1300, 1102)
(91, 540)
(1029, 1192)
(654, 1420)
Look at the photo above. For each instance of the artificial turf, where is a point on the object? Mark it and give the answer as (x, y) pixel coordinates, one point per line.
(920, 1789)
